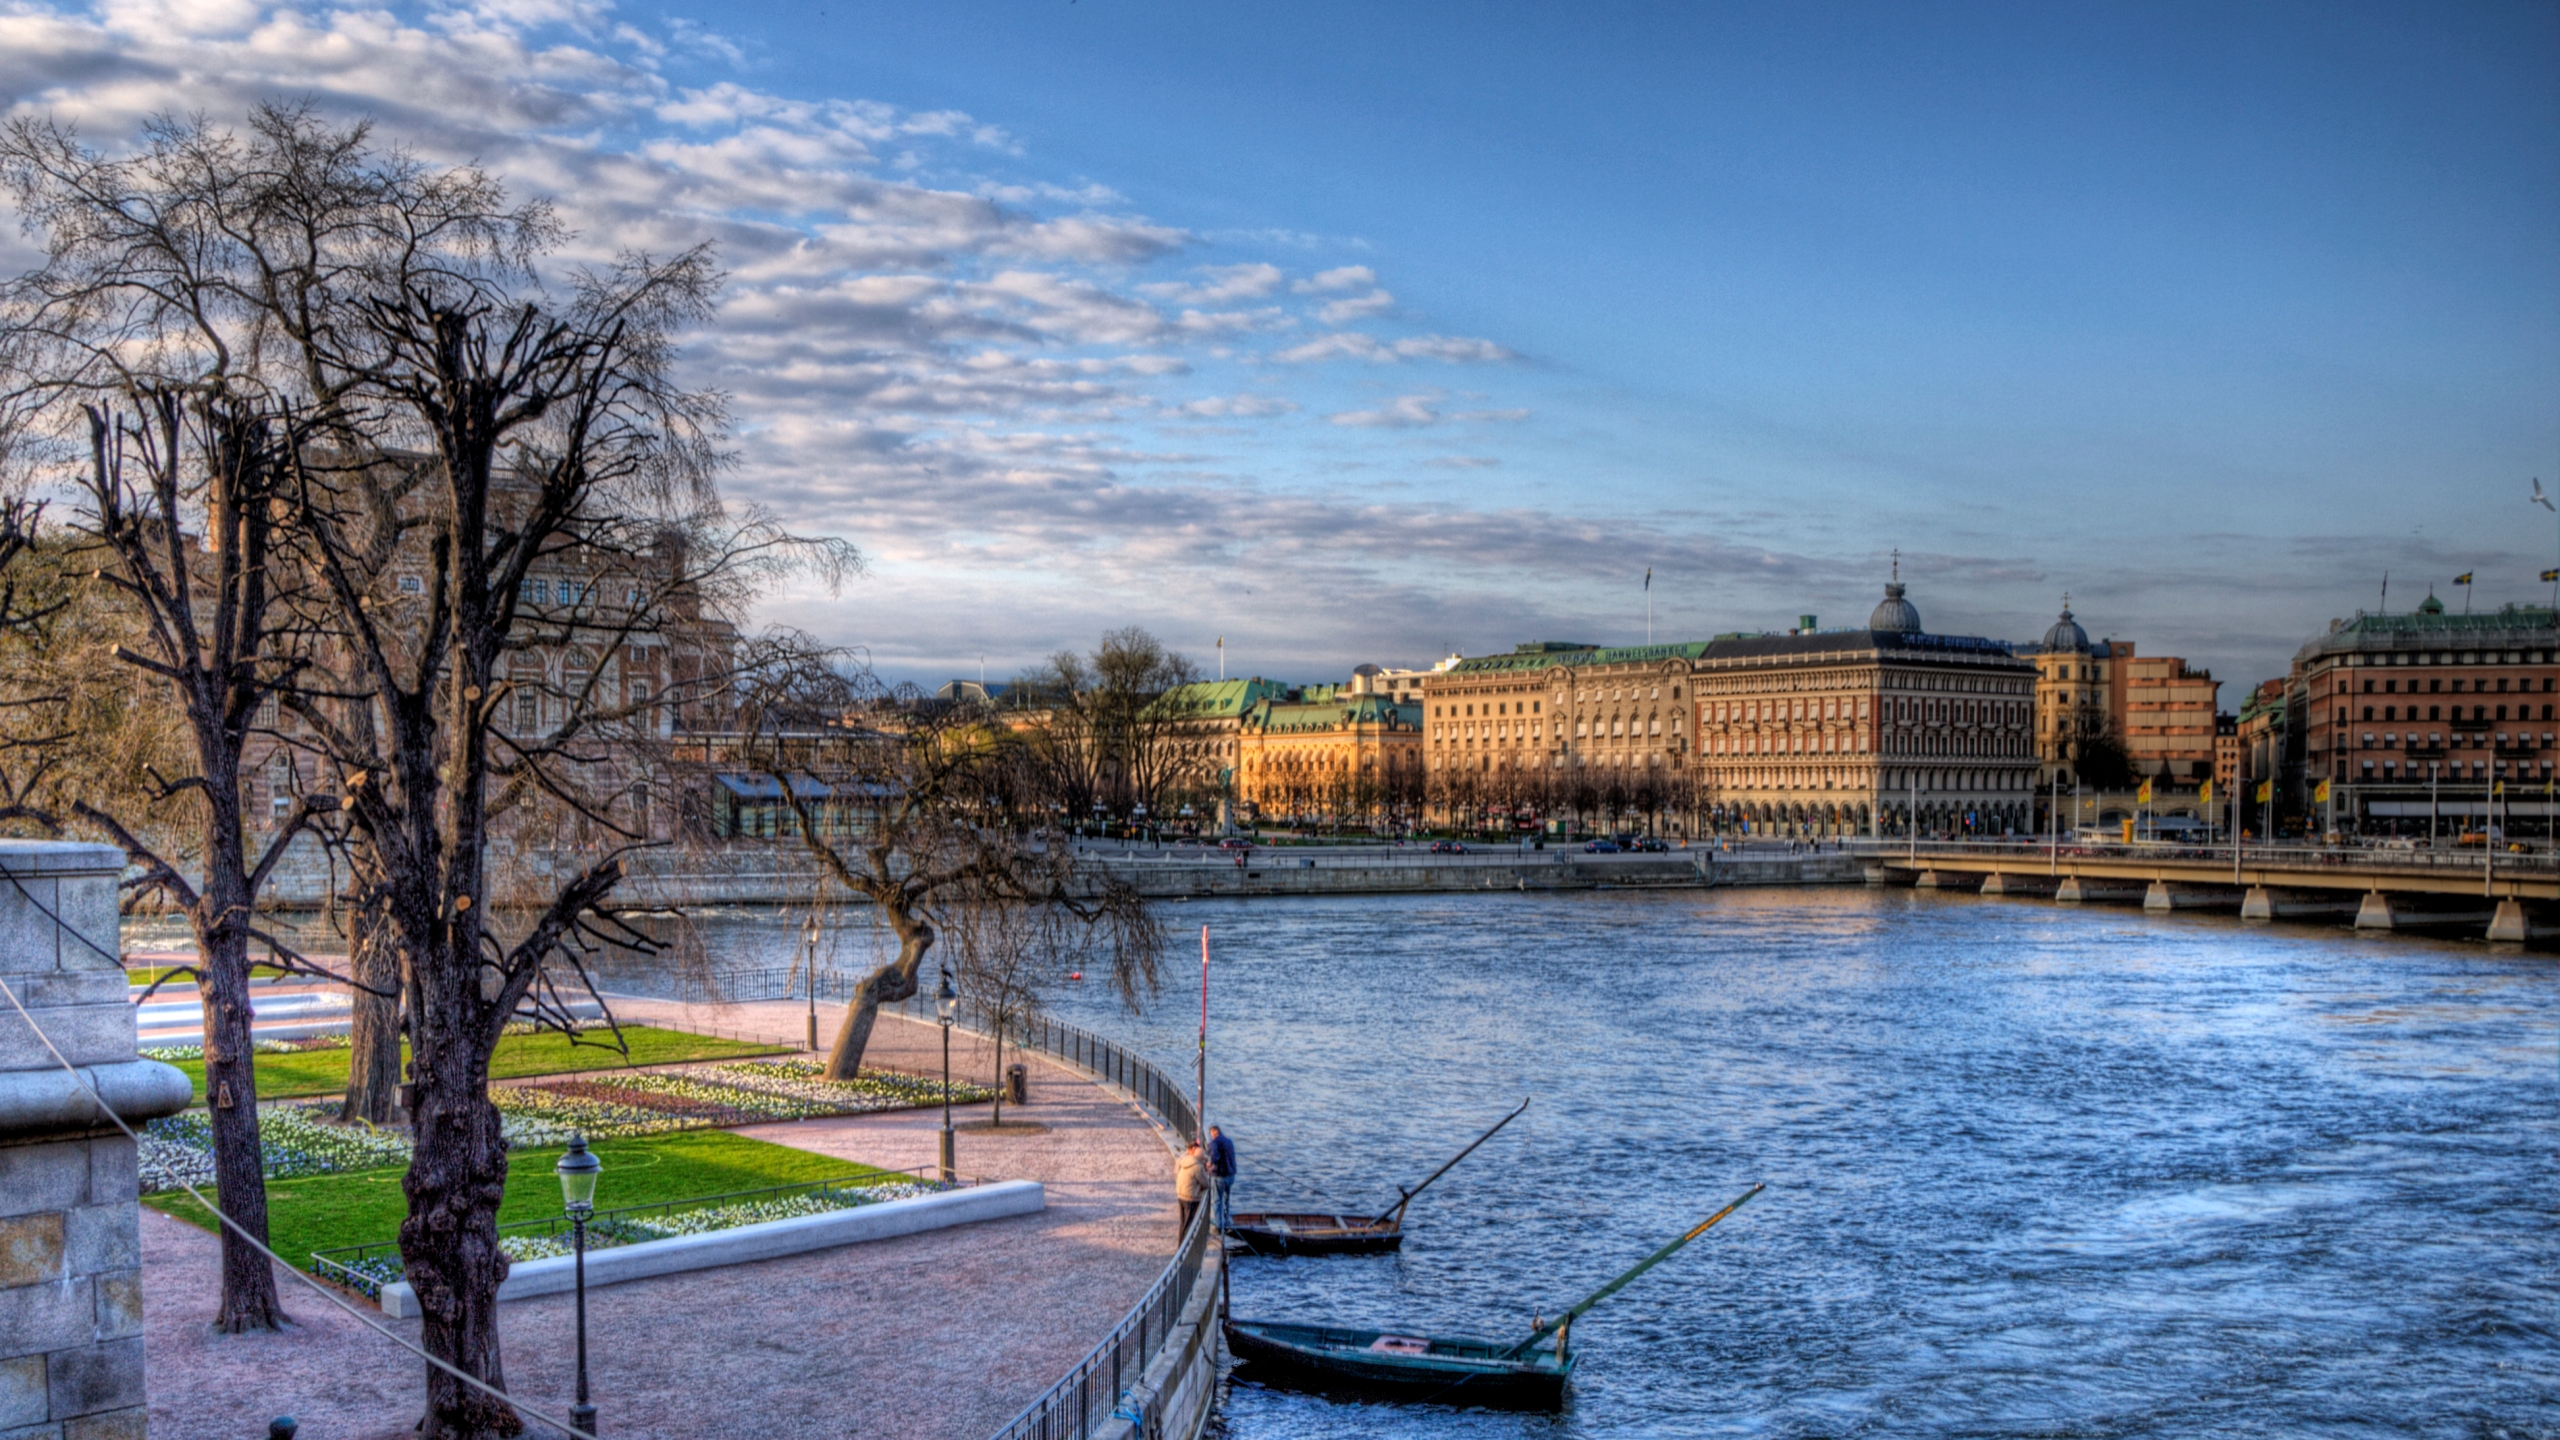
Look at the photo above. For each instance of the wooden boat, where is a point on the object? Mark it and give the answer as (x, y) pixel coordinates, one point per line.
(1283, 1232)
(1455, 1370)
(1451, 1369)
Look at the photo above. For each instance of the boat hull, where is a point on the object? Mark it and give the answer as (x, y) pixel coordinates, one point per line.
(1453, 1370)
(1274, 1233)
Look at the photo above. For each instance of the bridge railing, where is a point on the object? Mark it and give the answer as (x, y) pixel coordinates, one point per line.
(2333, 857)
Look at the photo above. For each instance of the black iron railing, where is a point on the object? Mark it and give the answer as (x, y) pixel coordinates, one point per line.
(1096, 1388)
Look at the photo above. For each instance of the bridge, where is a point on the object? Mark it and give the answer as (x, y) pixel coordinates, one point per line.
(2509, 897)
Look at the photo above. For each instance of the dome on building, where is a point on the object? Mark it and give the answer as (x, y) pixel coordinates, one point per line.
(2431, 605)
(2066, 633)
(1895, 615)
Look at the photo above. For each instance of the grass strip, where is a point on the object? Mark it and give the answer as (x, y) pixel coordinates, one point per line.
(324, 1072)
(363, 1207)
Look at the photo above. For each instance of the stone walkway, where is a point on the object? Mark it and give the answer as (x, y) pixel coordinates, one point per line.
(940, 1336)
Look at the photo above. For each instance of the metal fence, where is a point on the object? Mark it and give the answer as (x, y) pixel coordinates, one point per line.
(2377, 858)
(1093, 1391)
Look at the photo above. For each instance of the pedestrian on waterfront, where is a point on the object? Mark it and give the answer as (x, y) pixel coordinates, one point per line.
(1222, 1176)
(1190, 1181)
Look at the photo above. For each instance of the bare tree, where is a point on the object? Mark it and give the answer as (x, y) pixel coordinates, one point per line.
(936, 806)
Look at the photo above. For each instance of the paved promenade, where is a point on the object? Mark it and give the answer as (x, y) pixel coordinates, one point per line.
(941, 1336)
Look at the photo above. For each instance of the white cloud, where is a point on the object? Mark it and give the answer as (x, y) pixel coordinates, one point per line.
(1411, 412)
(1223, 407)
(1333, 282)
(1357, 307)
(1219, 284)
(1352, 345)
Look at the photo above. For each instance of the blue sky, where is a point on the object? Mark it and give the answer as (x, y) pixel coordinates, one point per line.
(1361, 333)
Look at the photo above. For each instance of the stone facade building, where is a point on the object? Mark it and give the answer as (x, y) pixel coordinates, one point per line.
(2078, 699)
(1864, 732)
(1321, 753)
(2168, 717)
(2415, 716)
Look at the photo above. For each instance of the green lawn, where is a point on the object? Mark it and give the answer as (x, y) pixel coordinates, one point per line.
(324, 1072)
(145, 974)
(323, 1212)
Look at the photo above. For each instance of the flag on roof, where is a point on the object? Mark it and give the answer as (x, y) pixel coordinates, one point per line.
(2462, 579)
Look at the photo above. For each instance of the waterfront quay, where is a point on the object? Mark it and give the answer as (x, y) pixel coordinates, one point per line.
(829, 1343)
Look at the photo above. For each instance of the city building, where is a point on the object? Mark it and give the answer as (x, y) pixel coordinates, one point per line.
(2079, 705)
(2226, 750)
(1555, 727)
(1325, 754)
(2413, 717)
(2168, 717)
(1865, 731)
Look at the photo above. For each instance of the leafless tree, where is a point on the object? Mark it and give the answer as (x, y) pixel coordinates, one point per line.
(927, 807)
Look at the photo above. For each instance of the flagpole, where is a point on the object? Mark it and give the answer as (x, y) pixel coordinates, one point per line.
(1204, 1036)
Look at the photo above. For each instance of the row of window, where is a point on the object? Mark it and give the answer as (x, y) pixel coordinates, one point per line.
(2478, 712)
(2438, 687)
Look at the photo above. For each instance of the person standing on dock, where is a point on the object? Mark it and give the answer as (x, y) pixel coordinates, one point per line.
(1190, 1179)
(1222, 1175)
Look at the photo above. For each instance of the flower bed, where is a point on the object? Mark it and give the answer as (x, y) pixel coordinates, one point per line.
(380, 1265)
(173, 1054)
(300, 1139)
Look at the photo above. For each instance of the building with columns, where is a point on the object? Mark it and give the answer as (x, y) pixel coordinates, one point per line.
(1865, 731)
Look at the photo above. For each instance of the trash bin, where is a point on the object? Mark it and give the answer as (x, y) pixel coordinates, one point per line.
(1017, 1083)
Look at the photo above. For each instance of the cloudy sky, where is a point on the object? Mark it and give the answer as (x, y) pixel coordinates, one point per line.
(1361, 332)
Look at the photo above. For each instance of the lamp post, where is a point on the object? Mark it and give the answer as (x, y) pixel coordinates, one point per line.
(577, 1169)
(946, 1002)
(810, 946)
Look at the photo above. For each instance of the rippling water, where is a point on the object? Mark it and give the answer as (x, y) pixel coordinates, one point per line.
(2032, 1171)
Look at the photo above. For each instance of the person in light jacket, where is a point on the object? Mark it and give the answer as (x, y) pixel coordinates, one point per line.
(1190, 1182)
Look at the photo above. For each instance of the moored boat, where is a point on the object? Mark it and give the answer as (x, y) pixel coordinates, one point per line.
(1295, 1232)
(1277, 1233)
(1455, 1370)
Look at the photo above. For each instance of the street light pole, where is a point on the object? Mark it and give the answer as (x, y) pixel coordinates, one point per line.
(947, 1002)
(577, 1169)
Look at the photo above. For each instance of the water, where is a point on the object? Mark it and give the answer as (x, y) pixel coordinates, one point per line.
(2032, 1171)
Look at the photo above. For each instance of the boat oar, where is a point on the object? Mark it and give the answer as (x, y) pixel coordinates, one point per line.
(1395, 1212)
(1558, 1324)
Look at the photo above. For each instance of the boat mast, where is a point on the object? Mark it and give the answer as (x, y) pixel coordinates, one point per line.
(1395, 1212)
(1561, 1323)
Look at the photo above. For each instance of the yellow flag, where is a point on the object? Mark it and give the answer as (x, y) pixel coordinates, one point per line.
(2266, 791)
(2145, 796)
(2498, 789)
(2204, 793)
(2321, 795)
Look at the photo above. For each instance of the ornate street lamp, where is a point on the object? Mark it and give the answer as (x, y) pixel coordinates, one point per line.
(946, 1003)
(578, 1168)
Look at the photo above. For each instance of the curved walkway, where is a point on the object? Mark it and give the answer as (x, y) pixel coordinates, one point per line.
(940, 1336)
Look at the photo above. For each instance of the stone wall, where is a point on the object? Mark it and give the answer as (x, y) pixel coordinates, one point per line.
(70, 1217)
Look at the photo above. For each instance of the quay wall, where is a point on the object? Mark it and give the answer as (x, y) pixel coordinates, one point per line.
(781, 874)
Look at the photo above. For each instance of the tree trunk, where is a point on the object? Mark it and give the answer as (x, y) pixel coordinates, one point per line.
(373, 1059)
(449, 1243)
(249, 1300)
(887, 985)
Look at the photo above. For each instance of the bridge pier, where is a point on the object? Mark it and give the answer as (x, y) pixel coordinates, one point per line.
(2004, 883)
(2515, 924)
(1948, 880)
(2262, 903)
(2075, 891)
(2376, 913)
(2164, 896)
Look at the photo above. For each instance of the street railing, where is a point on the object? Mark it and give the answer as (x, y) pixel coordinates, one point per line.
(2351, 857)
(1089, 1394)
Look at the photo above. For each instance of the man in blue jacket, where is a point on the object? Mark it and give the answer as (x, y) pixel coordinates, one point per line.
(1222, 1174)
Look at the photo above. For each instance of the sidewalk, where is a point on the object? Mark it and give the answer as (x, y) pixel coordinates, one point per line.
(940, 1336)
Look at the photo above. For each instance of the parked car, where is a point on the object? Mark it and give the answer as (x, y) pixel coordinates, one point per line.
(1601, 847)
(1447, 847)
(1651, 845)
(1233, 842)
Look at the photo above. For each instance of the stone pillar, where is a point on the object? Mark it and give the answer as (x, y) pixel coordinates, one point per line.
(2375, 913)
(2159, 897)
(70, 1215)
(2513, 924)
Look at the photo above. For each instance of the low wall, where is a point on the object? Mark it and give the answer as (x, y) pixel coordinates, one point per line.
(769, 1240)
(1173, 1399)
